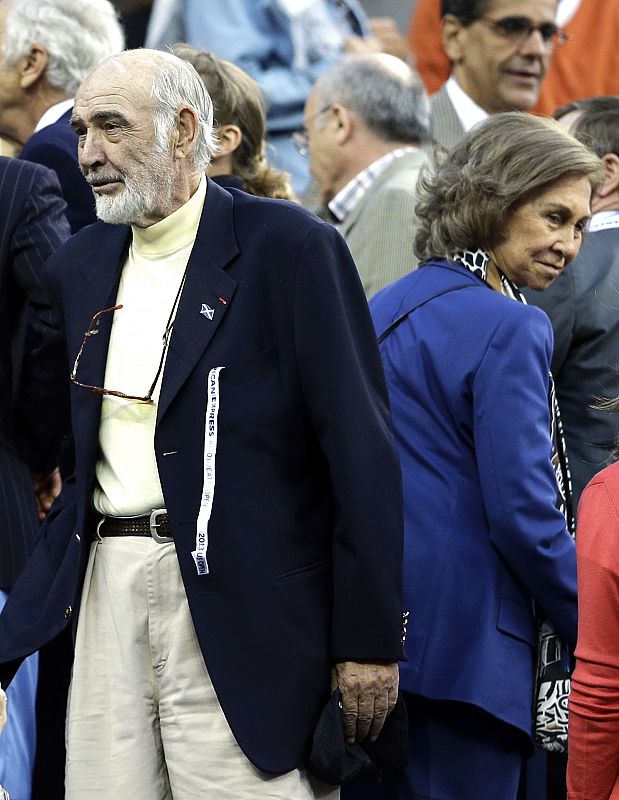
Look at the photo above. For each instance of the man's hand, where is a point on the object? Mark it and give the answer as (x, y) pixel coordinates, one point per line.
(46, 490)
(369, 693)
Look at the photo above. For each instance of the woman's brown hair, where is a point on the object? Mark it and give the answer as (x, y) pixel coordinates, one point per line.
(237, 100)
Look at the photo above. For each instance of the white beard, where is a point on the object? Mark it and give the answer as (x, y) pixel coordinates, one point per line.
(144, 195)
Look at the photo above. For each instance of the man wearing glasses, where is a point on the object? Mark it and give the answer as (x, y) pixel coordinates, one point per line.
(499, 52)
(237, 492)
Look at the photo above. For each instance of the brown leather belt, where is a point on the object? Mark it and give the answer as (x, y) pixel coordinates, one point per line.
(156, 524)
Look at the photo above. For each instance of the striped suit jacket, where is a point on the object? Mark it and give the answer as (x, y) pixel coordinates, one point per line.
(32, 226)
(445, 124)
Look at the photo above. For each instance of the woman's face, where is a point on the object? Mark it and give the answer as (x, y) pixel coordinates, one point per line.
(545, 234)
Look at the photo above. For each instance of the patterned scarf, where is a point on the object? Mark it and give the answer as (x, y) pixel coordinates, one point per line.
(553, 658)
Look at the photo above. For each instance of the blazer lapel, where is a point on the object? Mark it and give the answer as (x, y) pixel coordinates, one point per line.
(207, 294)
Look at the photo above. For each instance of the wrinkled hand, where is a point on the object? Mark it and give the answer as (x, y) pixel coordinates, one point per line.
(46, 489)
(2, 709)
(369, 693)
(386, 33)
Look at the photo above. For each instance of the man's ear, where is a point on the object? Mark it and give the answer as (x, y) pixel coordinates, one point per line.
(229, 139)
(453, 34)
(186, 133)
(32, 67)
(610, 184)
(344, 121)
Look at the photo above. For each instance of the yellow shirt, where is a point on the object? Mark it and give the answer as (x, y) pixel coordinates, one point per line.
(127, 478)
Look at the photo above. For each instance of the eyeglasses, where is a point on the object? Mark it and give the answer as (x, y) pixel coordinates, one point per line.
(518, 29)
(93, 330)
(300, 138)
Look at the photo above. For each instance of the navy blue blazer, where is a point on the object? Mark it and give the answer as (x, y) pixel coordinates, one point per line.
(306, 530)
(467, 372)
(32, 227)
(55, 146)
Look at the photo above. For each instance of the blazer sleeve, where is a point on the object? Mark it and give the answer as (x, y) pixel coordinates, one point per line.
(513, 451)
(593, 767)
(42, 402)
(344, 387)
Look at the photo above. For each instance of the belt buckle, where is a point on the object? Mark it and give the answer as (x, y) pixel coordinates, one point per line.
(154, 514)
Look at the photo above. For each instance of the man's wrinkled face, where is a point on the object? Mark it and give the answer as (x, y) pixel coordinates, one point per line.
(130, 172)
(322, 151)
(498, 71)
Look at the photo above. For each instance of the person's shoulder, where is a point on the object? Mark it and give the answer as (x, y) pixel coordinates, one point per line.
(12, 168)
(401, 176)
(22, 179)
(608, 478)
(280, 216)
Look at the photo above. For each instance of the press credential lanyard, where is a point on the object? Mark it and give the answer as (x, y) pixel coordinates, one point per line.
(208, 486)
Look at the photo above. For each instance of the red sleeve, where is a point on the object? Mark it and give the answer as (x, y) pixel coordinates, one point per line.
(593, 767)
(426, 42)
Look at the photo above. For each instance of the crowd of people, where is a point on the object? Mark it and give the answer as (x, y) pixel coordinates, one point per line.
(309, 444)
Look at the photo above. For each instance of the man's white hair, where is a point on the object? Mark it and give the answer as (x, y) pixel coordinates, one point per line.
(77, 34)
(177, 84)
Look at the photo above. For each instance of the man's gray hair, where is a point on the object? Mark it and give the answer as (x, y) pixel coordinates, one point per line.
(387, 95)
(77, 34)
(177, 84)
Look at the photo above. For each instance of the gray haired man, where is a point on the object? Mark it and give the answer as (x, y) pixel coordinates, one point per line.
(366, 120)
(232, 334)
(48, 47)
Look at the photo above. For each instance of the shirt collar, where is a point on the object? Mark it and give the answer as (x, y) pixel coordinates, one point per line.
(469, 113)
(174, 232)
(348, 197)
(54, 113)
(603, 220)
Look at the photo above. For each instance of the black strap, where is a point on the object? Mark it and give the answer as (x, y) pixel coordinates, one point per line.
(406, 314)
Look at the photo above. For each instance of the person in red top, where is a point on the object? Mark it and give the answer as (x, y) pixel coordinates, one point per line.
(593, 765)
(588, 65)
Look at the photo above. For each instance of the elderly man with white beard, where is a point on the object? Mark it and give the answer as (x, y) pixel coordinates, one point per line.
(231, 422)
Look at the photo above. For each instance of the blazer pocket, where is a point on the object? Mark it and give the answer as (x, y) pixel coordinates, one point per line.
(305, 571)
(249, 368)
(517, 620)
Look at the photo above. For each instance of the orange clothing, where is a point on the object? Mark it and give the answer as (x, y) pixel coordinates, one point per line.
(593, 767)
(585, 66)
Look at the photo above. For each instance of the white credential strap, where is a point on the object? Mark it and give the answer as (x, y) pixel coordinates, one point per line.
(208, 486)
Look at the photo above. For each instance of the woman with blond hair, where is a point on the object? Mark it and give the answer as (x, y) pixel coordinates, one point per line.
(240, 119)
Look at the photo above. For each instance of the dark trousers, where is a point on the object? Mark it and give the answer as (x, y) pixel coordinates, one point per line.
(457, 752)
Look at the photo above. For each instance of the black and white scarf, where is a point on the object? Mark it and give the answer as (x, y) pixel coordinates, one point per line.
(553, 659)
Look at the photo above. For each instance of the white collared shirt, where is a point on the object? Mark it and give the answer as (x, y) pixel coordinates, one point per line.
(54, 113)
(469, 113)
(348, 197)
(603, 221)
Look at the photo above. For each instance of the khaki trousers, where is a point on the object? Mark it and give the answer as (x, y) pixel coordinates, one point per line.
(144, 721)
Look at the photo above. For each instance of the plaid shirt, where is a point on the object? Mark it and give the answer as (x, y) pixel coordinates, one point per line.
(348, 197)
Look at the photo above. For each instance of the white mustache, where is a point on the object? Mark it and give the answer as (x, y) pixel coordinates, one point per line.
(100, 178)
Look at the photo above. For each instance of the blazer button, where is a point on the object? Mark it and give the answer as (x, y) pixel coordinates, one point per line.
(67, 612)
(78, 537)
